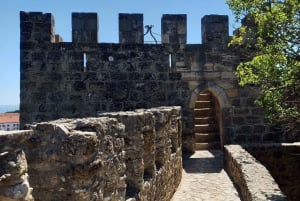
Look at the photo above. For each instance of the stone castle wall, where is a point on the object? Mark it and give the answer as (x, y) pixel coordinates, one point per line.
(282, 161)
(83, 77)
(251, 178)
(119, 156)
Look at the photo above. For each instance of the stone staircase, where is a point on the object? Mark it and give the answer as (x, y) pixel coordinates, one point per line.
(206, 128)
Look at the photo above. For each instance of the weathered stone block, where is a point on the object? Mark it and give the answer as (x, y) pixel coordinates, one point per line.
(241, 111)
(173, 29)
(236, 102)
(240, 139)
(131, 28)
(231, 93)
(212, 75)
(252, 179)
(79, 86)
(238, 120)
(244, 130)
(225, 84)
(228, 75)
(84, 27)
(215, 31)
(253, 119)
(14, 183)
(87, 153)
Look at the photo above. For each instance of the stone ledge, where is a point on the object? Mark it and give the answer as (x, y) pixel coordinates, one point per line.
(282, 161)
(271, 145)
(252, 179)
(15, 135)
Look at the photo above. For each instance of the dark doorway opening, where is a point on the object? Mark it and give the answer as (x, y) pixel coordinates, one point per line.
(207, 122)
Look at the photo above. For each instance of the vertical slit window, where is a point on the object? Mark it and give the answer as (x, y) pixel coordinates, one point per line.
(84, 62)
(170, 60)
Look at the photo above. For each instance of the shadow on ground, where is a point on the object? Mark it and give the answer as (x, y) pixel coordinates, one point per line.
(203, 162)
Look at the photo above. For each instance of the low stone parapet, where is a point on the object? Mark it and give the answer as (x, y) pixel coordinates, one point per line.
(282, 161)
(153, 152)
(77, 159)
(251, 178)
(118, 156)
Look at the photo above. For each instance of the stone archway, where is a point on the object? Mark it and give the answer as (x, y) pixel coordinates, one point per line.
(208, 102)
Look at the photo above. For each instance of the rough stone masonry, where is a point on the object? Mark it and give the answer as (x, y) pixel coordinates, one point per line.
(119, 156)
(84, 77)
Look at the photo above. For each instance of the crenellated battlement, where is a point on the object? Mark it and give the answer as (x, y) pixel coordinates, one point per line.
(37, 27)
(86, 76)
(40, 27)
(131, 28)
(85, 27)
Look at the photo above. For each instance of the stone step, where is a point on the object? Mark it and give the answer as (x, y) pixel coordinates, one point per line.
(207, 137)
(204, 112)
(204, 120)
(205, 128)
(204, 97)
(207, 146)
(203, 104)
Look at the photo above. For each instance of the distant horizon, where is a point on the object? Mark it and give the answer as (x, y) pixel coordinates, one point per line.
(9, 108)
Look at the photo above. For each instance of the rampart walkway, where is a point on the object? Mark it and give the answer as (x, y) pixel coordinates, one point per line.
(204, 179)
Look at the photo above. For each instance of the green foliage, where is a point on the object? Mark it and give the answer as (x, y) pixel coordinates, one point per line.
(270, 33)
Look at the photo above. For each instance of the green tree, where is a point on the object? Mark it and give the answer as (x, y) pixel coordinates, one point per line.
(270, 37)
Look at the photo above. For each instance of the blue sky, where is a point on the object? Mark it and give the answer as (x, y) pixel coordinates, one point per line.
(108, 26)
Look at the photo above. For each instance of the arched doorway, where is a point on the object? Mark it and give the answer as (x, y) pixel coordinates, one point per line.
(207, 120)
